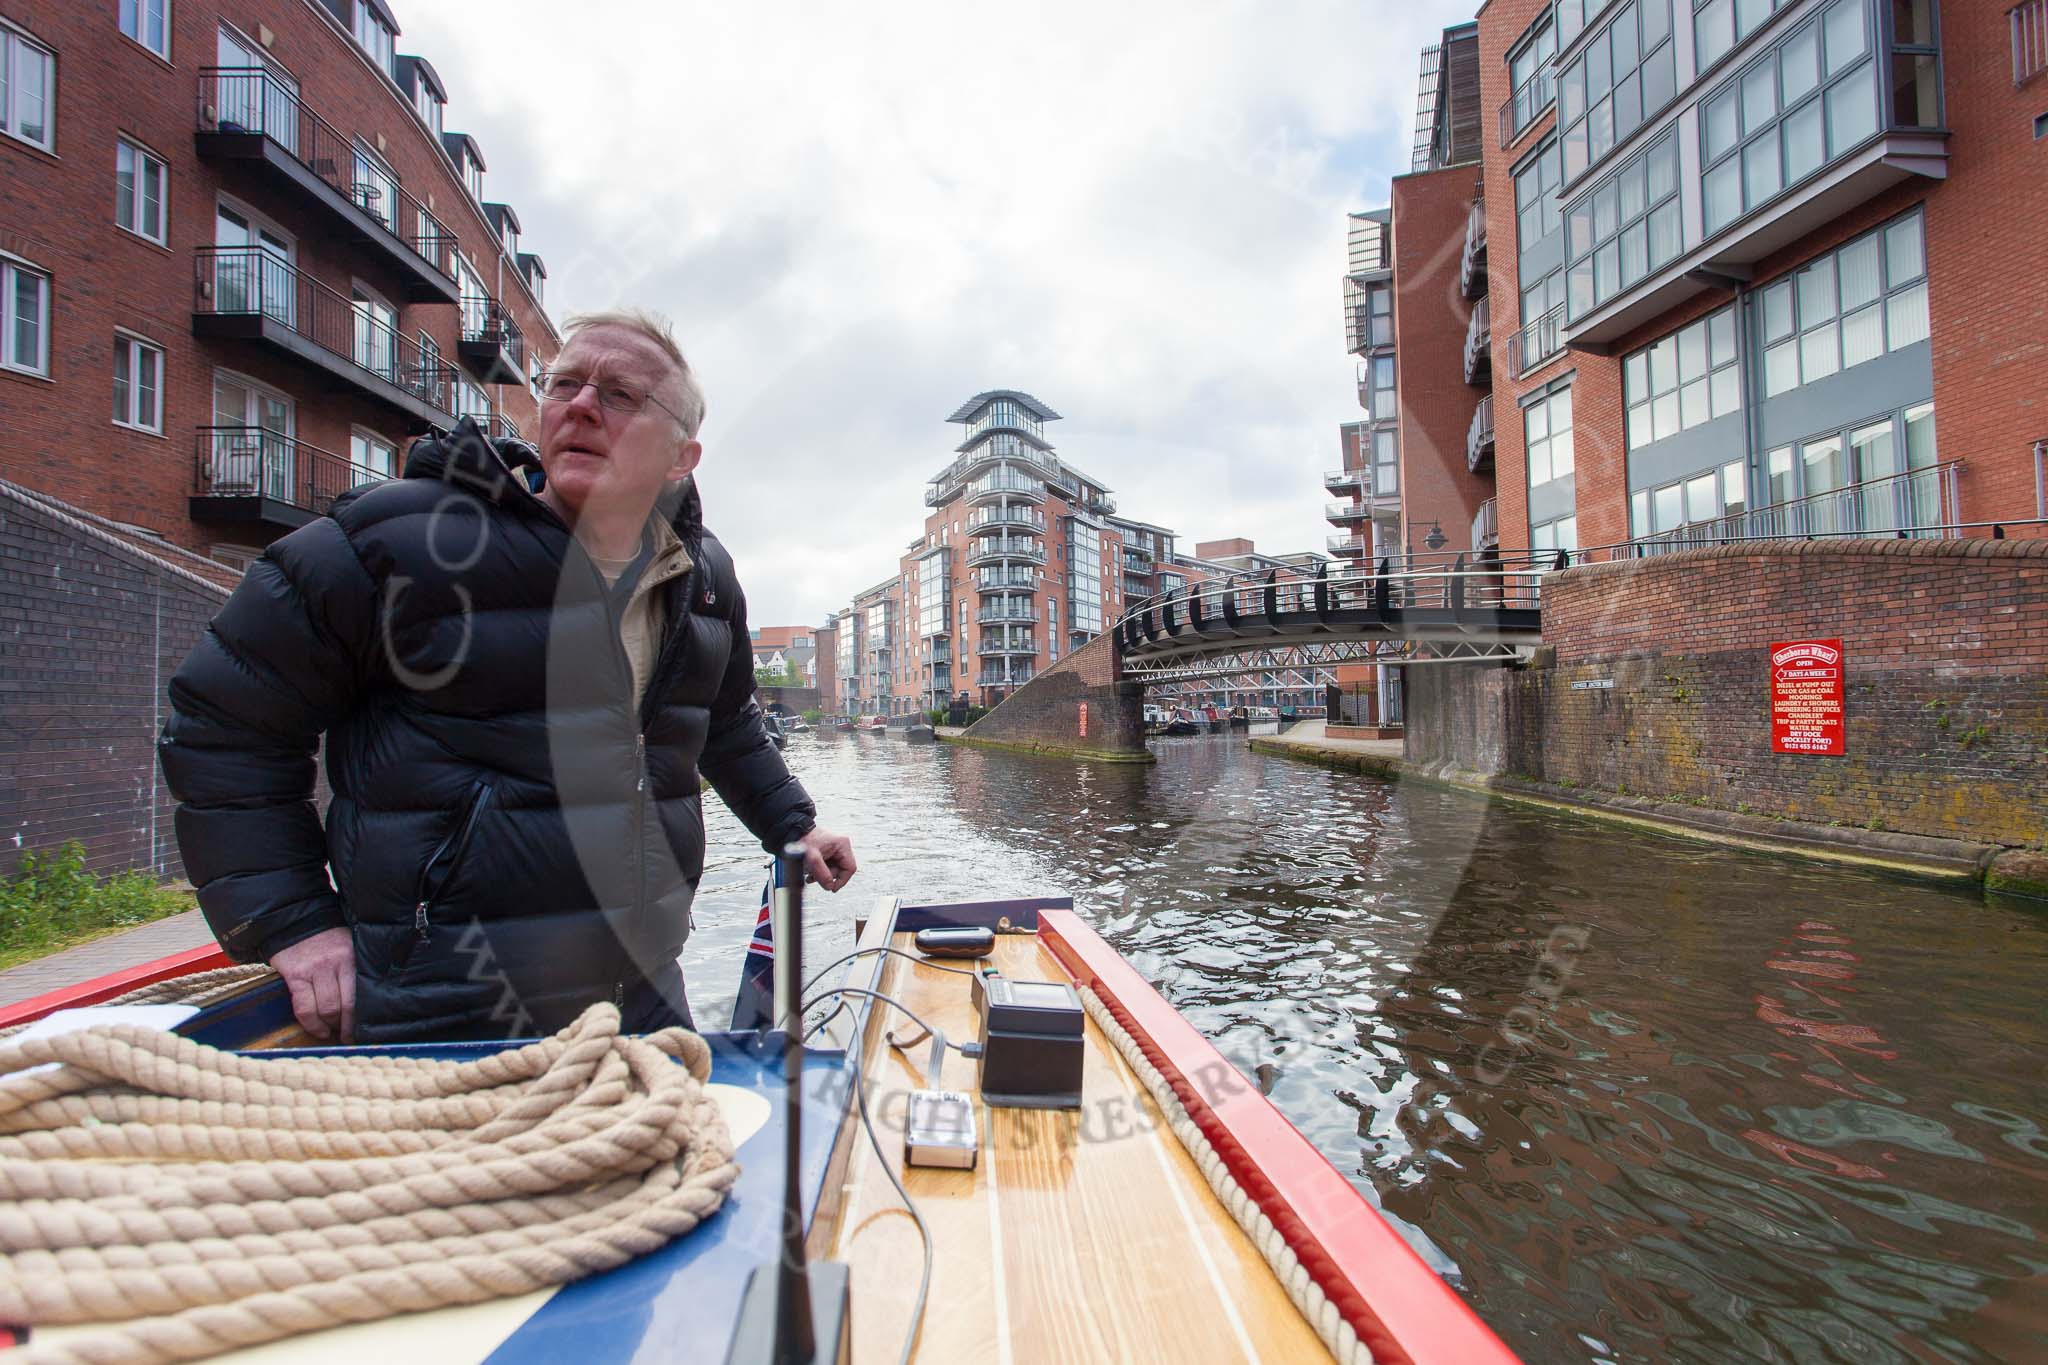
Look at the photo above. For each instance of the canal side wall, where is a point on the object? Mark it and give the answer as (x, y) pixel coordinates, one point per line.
(1046, 716)
(1946, 726)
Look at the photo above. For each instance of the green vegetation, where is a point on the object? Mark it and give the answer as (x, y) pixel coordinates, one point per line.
(786, 676)
(940, 715)
(813, 716)
(53, 902)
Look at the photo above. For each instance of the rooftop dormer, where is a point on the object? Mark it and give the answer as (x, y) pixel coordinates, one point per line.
(469, 161)
(423, 86)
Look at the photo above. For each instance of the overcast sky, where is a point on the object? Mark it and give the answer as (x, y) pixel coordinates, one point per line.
(858, 216)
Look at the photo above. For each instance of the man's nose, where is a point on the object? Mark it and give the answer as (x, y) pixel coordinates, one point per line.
(585, 404)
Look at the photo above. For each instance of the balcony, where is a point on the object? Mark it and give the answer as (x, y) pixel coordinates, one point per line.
(996, 678)
(1018, 644)
(997, 520)
(1138, 562)
(1003, 486)
(1479, 345)
(1004, 580)
(1537, 342)
(252, 474)
(1486, 526)
(1349, 547)
(1921, 503)
(499, 427)
(1001, 613)
(249, 115)
(1346, 513)
(248, 294)
(1479, 437)
(1016, 551)
(1527, 104)
(1472, 263)
(1008, 449)
(492, 345)
(1344, 480)
(2029, 40)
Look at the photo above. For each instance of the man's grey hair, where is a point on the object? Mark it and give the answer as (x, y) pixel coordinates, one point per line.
(656, 329)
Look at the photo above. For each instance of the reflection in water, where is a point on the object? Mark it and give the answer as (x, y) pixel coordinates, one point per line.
(1640, 1098)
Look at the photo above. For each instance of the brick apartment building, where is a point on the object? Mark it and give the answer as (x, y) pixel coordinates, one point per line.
(1736, 256)
(1023, 559)
(244, 262)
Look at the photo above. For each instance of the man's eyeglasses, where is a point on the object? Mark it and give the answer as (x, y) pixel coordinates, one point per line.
(561, 386)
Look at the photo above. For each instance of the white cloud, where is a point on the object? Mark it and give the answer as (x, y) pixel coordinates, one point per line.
(859, 216)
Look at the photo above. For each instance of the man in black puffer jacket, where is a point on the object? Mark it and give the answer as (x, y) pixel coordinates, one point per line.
(518, 692)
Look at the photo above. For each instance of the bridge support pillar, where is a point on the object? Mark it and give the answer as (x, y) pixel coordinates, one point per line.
(1081, 707)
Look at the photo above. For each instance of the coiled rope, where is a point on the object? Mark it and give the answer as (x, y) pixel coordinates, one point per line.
(194, 988)
(198, 1201)
(1337, 1334)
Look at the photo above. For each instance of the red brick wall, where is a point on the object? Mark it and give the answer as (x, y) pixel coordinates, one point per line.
(1946, 644)
(1045, 713)
(827, 657)
(57, 212)
(1430, 318)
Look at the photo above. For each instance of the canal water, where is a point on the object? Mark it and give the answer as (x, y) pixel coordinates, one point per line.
(1639, 1098)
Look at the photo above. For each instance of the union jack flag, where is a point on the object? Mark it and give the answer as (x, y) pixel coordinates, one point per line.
(754, 1007)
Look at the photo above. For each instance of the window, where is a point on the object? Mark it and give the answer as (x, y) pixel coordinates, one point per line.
(473, 177)
(1619, 80)
(1547, 437)
(1877, 475)
(1530, 76)
(376, 37)
(25, 313)
(1718, 25)
(376, 333)
(1916, 66)
(138, 191)
(471, 401)
(375, 186)
(1536, 211)
(1808, 100)
(28, 74)
(1621, 230)
(1561, 534)
(1682, 381)
(138, 384)
(1380, 405)
(1386, 464)
(147, 22)
(1379, 302)
(373, 458)
(1698, 499)
(1852, 305)
(429, 104)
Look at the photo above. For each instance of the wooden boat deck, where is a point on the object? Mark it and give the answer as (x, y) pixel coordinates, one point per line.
(1080, 1235)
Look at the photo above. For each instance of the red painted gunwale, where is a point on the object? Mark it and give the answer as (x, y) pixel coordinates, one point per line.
(104, 988)
(1398, 1306)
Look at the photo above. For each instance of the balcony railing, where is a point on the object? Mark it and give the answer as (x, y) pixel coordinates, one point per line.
(1917, 503)
(1527, 104)
(1348, 545)
(1028, 551)
(1021, 644)
(2029, 40)
(252, 102)
(1479, 436)
(1472, 263)
(1138, 562)
(997, 518)
(994, 678)
(1486, 525)
(492, 341)
(988, 580)
(499, 427)
(1344, 480)
(1537, 342)
(1479, 344)
(1011, 485)
(1345, 513)
(253, 284)
(254, 464)
(998, 615)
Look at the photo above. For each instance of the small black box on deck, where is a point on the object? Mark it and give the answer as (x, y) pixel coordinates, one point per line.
(1031, 1043)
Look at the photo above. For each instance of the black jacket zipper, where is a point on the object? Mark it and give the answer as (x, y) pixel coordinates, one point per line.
(452, 848)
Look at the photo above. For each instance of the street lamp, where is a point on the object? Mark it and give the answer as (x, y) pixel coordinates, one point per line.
(1435, 540)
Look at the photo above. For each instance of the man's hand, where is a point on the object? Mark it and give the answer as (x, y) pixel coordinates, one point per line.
(828, 858)
(321, 974)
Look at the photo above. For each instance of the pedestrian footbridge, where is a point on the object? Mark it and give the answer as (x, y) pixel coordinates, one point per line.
(1456, 608)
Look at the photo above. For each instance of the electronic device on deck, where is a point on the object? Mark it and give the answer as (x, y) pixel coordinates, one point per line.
(954, 942)
(1032, 1046)
(938, 1127)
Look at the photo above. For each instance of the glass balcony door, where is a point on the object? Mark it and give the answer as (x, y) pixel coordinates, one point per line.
(255, 95)
(253, 272)
(253, 452)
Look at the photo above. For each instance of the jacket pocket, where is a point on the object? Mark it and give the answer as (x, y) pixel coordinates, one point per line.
(439, 870)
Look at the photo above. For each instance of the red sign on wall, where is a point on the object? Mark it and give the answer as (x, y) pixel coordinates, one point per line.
(1084, 720)
(1806, 697)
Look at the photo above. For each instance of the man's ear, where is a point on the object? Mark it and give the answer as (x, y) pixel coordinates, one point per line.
(687, 455)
